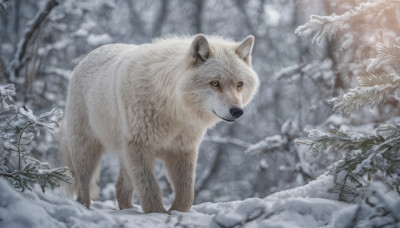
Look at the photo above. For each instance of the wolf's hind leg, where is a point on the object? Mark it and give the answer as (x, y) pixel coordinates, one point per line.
(86, 153)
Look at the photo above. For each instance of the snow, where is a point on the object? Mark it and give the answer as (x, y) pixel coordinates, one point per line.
(293, 208)
(28, 113)
(307, 206)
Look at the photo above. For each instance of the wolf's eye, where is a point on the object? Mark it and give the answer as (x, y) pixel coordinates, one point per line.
(215, 83)
(240, 84)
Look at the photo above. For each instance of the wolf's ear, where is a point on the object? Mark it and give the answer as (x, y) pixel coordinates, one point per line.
(244, 49)
(200, 49)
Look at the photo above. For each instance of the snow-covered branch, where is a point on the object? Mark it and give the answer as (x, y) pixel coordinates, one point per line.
(388, 54)
(226, 140)
(365, 156)
(18, 130)
(330, 25)
(373, 90)
(270, 144)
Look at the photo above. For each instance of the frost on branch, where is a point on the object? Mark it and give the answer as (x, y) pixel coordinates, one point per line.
(365, 158)
(325, 25)
(33, 174)
(383, 70)
(272, 143)
(388, 54)
(280, 142)
(330, 25)
(284, 143)
(17, 131)
(374, 156)
(373, 90)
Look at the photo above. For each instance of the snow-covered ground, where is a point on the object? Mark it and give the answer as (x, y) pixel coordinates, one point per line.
(307, 206)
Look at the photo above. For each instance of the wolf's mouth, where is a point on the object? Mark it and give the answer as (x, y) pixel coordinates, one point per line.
(227, 120)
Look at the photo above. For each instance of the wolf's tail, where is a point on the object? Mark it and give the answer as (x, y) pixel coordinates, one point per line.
(66, 158)
(64, 150)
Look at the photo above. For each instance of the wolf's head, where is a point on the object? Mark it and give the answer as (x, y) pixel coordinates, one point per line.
(219, 78)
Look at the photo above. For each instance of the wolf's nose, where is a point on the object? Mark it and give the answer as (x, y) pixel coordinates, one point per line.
(236, 112)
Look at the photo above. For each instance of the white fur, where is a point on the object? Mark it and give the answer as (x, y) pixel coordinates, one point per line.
(152, 101)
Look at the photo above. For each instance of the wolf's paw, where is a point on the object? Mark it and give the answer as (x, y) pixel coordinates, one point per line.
(125, 206)
(155, 210)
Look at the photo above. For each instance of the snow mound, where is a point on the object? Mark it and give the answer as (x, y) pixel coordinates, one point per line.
(300, 212)
(315, 189)
(307, 206)
(53, 209)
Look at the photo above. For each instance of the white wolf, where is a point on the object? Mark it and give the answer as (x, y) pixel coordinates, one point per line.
(153, 101)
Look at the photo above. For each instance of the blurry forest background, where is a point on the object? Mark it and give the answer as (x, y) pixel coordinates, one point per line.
(255, 156)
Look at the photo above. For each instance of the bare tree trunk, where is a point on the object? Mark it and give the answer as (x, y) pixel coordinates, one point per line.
(210, 172)
(214, 167)
(15, 21)
(242, 8)
(198, 23)
(4, 37)
(330, 50)
(259, 21)
(31, 69)
(3, 71)
(21, 55)
(160, 18)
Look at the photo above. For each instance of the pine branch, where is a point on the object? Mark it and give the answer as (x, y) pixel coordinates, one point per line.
(19, 146)
(363, 157)
(47, 178)
(387, 54)
(330, 25)
(19, 130)
(374, 89)
(6, 175)
(336, 140)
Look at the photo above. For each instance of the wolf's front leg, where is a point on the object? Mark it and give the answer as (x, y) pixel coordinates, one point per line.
(181, 171)
(145, 181)
(124, 188)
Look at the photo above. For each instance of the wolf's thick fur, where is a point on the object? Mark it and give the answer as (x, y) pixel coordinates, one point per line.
(153, 101)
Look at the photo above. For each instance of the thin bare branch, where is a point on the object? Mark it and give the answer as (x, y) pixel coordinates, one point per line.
(20, 56)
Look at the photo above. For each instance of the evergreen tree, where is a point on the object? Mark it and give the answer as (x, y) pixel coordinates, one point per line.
(366, 157)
